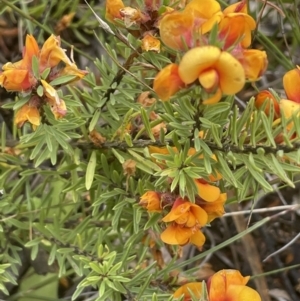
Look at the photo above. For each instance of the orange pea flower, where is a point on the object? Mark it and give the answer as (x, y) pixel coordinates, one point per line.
(151, 201)
(217, 71)
(225, 285)
(194, 287)
(176, 30)
(236, 26)
(179, 235)
(28, 113)
(288, 108)
(19, 76)
(167, 82)
(255, 63)
(112, 10)
(230, 285)
(187, 214)
(291, 84)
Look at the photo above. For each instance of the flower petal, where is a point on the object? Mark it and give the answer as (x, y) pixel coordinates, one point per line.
(241, 292)
(197, 60)
(195, 287)
(231, 74)
(167, 82)
(176, 235)
(291, 84)
(207, 192)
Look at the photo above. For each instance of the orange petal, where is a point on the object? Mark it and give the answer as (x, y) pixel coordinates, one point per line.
(151, 201)
(31, 49)
(198, 238)
(197, 60)
(291, 84)
(231, 74)
(267, 96)
(207, 192)
(176, 235)
(16, 80)
(195, 287)
(199, 214)
(216, 208)
(235, 27)
(112, 10)
(177, 211)
(167, 82)
(27, 113)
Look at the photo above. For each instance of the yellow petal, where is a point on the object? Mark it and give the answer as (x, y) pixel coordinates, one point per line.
(240, 292)
(209, 79)
(231, 74)
(197, 60)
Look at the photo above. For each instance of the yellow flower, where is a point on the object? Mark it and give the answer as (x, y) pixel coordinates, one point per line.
(230, 285)
(151, 201)
(28, 113)
(217, 71)
(167, 82)
(187, 214)
(179, 235)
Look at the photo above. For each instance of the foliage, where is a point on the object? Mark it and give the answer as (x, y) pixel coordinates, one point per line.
(74, 172)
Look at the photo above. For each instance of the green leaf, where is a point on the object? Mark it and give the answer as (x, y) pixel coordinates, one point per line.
(90, 171)
(63, 80)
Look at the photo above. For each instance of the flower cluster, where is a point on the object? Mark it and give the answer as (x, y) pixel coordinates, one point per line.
(283, 107)
(220, 64)
(185, 219)
(225, 285)
(35, 75)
